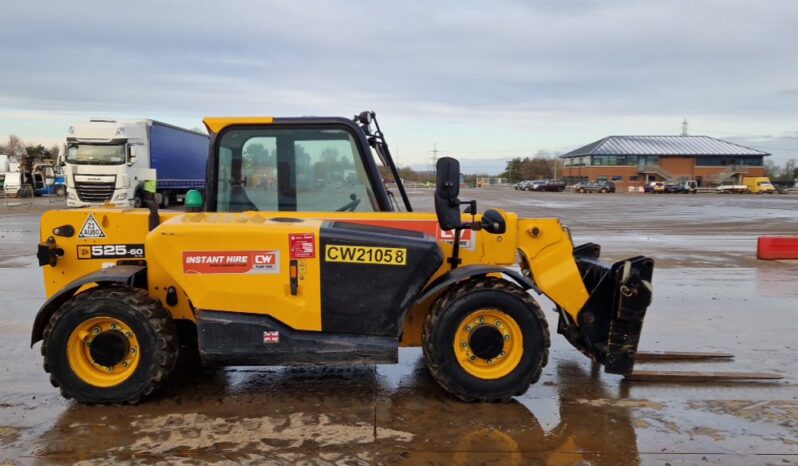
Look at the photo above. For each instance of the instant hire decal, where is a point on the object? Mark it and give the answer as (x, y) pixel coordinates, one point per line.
(231, 262)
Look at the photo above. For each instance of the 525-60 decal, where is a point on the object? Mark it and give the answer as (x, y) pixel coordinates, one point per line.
(111, 251)
(365, 255)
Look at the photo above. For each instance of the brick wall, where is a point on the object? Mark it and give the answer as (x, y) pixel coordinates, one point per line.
(676, 166)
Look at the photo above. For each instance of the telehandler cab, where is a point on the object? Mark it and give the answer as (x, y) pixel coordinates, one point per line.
(302, 256)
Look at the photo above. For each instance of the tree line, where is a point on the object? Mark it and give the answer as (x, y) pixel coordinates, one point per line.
(786, 172)
(539, 167)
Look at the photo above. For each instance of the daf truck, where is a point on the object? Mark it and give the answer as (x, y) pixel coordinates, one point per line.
(107, 161)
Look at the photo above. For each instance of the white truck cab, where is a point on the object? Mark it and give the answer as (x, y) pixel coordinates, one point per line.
(106, 161)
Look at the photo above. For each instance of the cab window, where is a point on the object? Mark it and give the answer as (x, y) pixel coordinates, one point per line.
(270, 169)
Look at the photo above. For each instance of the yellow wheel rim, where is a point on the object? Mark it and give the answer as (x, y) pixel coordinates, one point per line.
(103, 351)
(488, 344)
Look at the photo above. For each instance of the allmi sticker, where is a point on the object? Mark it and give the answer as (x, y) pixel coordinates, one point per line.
(302, 245)
(231, 262)
(272, 336)
(91, 229)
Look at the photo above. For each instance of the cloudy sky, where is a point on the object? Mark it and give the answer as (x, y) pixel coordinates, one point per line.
(482, 80)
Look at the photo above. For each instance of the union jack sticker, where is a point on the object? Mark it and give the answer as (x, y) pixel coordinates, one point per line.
(272, 336)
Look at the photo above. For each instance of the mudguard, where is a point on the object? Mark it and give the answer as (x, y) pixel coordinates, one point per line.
(132, 275)
(461, 273)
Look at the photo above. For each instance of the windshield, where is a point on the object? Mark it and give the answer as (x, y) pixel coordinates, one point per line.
(270, 169)
(96, 154)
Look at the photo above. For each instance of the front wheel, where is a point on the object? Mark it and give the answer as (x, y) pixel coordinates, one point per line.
(109, 345)
(486, 340)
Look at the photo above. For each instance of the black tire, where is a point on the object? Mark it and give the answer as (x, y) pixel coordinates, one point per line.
(448, 313)
(165, 201)
(154, 330)
(138, 200)
(582, 190)
(603, 191)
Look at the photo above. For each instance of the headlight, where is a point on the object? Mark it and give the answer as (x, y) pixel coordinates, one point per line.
(71, 196)
(121, 197)
(120, 130)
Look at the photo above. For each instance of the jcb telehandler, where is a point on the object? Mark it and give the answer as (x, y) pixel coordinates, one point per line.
(302, 256)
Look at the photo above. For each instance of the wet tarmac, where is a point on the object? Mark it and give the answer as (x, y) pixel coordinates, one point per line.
(711, 294)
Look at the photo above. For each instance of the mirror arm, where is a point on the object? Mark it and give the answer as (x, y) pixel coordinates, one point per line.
(454, 261)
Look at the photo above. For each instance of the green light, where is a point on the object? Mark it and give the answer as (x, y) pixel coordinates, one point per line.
(193, 201)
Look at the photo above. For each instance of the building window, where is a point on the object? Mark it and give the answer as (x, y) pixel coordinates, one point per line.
(613, 160)
(709, 161)
(600, 179)
(632, 177)
(617, 178)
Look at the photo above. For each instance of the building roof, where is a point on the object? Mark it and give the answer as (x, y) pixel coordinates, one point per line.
(663, 145)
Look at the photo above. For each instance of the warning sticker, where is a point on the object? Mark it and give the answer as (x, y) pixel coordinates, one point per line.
(91, 229)
(235, 262)
(302, 245)
(447, 236)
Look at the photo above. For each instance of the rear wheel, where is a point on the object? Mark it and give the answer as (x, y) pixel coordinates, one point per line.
(165, 200)
(110, 345)
(486, 340)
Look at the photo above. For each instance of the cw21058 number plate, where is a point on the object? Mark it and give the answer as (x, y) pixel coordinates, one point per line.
(111, 251)
(365, 255)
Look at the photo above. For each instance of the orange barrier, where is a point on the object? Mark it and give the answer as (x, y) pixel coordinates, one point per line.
(777, 247)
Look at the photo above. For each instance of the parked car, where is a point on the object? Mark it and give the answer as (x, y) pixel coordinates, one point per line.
(548, 185)
(595, 187)
(535, 185)
(523, 185)
(655, 187)
(673, 188)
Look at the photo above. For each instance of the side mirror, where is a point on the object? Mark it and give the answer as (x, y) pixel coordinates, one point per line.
(60, 161)
(131, 154)
(493, 222)
(193, 201)
(447, 188)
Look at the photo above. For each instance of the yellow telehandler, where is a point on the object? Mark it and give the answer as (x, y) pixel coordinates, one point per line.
(297, 253)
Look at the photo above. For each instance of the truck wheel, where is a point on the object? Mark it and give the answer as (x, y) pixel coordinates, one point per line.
(109, 345)
(486, 340)
(165, 201)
